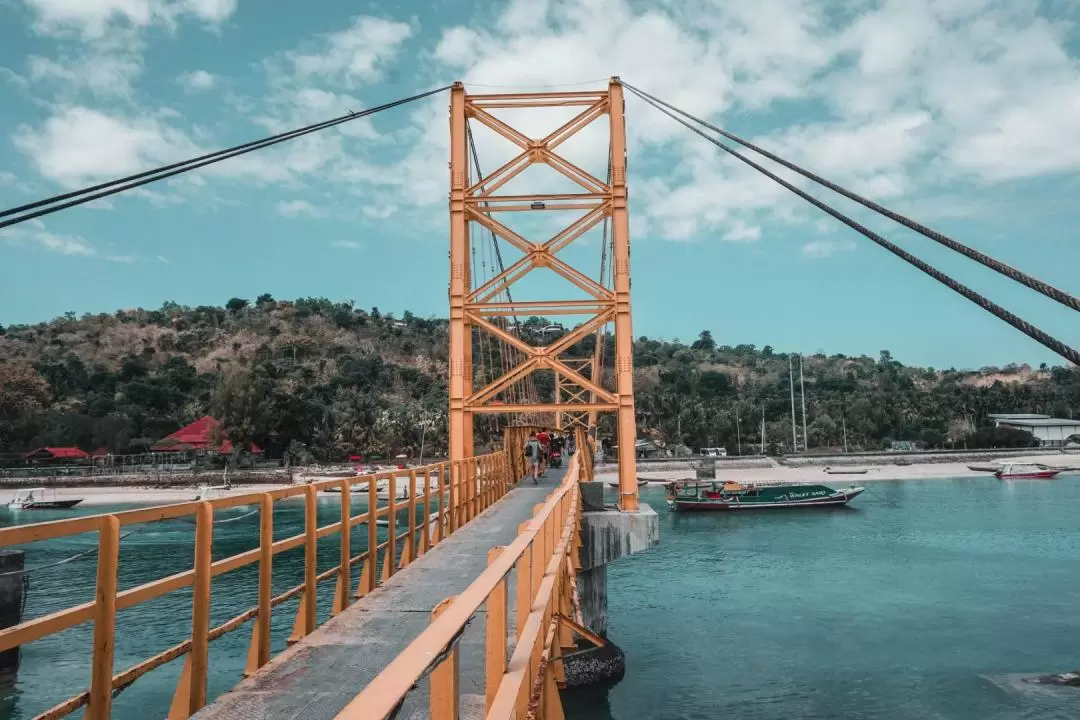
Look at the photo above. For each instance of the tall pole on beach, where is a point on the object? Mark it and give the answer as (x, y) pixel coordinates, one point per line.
(791, 383)
(802, 399)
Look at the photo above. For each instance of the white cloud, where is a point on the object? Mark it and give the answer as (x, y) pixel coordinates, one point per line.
(124, 259)
(742, 233)
(296, 208)
(104, 72)
(60, 244)
(827, 248)
(357, 54)
(79, 145)
(349, 244)
(198, 80)
(6, 178)
(94, 18)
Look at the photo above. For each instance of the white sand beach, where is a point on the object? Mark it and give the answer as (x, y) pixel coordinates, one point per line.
(817, 474)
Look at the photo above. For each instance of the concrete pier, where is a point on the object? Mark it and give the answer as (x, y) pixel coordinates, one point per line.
(606, 536)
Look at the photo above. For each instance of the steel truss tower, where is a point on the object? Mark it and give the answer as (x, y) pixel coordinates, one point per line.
(578, 397)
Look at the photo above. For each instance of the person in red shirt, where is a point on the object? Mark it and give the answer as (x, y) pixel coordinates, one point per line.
(545, 442)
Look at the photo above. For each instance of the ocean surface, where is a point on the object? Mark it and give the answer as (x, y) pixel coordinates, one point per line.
(924, 600)
(57, 667)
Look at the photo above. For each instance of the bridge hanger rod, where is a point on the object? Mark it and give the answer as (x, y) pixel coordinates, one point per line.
(1017, 322)
(1008, 271)
(112, 187)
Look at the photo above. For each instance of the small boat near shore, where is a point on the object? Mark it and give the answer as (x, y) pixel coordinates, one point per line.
(988, 468)
(846, 471)
(40, 499)
(715, 496)
(1026, 471)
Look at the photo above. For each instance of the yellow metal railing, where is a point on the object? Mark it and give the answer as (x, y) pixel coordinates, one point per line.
(544, 558)
(465, 489)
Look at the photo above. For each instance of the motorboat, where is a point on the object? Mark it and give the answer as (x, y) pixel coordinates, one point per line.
(1026, 471)
(41, 499)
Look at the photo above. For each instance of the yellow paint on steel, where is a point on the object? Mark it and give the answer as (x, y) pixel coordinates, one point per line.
(191, 688)
(383, 694)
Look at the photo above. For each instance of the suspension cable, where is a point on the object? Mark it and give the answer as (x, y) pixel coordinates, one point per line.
(1008, 271)
(133, 181)
(1020, 324)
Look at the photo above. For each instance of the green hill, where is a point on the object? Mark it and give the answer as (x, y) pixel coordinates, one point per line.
(331, 380)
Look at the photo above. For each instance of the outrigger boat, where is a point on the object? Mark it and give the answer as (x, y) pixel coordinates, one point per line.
(708, 496)
(1026, 471)
(36, 499)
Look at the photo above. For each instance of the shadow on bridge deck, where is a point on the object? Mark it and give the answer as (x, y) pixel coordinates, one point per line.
(318, 676)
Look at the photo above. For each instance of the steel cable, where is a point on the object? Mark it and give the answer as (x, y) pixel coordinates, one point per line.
(133, 181)
(1008, 271)
(1019, 323)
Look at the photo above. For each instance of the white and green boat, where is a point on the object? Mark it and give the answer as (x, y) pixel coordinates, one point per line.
(690, 496)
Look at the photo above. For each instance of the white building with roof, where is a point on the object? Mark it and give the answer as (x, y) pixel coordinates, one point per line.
(1050, 432)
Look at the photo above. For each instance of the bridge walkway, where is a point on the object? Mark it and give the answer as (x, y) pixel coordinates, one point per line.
(318, 676)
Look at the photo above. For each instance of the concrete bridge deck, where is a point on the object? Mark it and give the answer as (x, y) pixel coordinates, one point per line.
(318, 676)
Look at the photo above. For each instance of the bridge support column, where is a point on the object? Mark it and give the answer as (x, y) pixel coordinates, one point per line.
(606, 536)
(460, 421)
(624, 338)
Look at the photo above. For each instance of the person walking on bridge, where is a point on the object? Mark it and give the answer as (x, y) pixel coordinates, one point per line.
(533, 451)
(544, 438)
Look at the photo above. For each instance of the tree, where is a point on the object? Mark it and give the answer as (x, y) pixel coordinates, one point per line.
(23, 394)
(704, 342)
(264, 299)
(239, 407)
(235, 305)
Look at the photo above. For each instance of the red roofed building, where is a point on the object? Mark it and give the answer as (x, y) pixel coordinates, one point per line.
(56, 453)
(199, 435)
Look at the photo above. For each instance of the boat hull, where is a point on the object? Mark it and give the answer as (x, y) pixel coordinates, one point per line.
(48, 504)
(1041, 475)
(842, 497)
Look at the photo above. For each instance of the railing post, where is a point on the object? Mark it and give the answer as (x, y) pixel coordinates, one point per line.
(445, 690)
(341, 597)
(101, 674)
(311, 558)
(524, 586)
(391, 526)
(455, 499)
(408, 550)
(373, 532)
(425, 533)
(259, 653)
(200, 609)
(495, 630)
(440, 522)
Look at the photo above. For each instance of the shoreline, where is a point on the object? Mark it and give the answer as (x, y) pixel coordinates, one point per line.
(810, 474)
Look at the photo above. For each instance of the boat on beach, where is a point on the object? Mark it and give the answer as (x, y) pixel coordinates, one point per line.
(714, 496)
(40, 499)
(846, 471)
(1026, 471)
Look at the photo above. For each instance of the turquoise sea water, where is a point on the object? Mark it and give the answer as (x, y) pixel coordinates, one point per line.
(57, 667)
(925, 600)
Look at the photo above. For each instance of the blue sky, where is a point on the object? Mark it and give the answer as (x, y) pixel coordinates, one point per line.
(964, 114)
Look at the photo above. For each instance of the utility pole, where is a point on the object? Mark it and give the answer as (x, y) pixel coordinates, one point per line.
(791, 383)
(763, 429)
(738, 432)
(843, 421)
(802, 399)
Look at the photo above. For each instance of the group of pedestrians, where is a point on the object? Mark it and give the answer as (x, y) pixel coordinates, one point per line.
(539, 450)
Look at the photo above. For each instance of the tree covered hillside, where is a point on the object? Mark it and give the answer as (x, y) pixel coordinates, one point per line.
(329, 379)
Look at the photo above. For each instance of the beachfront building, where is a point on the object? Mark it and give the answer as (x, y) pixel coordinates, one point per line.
(1049, 431)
